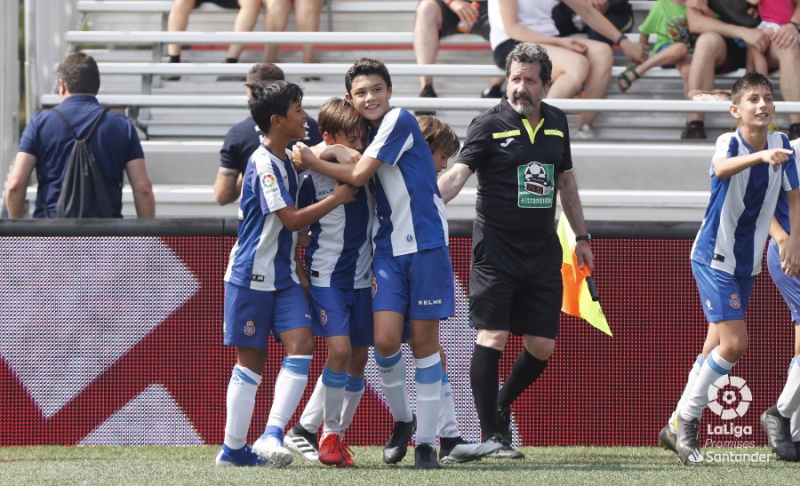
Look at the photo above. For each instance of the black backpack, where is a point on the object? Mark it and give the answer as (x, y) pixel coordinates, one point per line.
(83, 191)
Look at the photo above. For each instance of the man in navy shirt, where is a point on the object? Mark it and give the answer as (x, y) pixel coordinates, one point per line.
(46, 145)
(245, 137)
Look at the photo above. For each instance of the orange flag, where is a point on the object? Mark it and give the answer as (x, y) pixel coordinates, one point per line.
(577, 300)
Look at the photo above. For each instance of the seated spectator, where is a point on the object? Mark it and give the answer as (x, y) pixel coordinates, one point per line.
(618, 12)
(442, 18)
(576, 62)
(178, 20)
(245, 137)
(673, 46)
(773, 14)
(306, 16)
(722, 47)
(47, 142)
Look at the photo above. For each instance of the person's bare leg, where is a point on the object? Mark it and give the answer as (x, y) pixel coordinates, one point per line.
(177, 21)
(426, 35)
(306, 14)
(277, 18)
(788, 60)
(596, 86)
(710, 52)
(245, 22)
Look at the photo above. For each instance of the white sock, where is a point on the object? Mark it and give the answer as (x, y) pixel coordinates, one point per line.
(312, 414)
(289, 388)
(333, 396)
(428, 380)
(353, 392)
(789, 400)
(240, 402)
(448, 425)
(714, 367)
(698, 363)
(393, 385)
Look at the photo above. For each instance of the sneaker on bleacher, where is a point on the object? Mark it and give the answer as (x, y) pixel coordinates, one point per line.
(427, 92)
(585, 132)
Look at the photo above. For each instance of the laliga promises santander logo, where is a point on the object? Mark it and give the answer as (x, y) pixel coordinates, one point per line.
(729, 397)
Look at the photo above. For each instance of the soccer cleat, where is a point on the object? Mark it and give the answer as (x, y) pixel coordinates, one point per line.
(348, 457)
(457, 450)
(667, 440)
(505, 451)
(686, 441)
(330, 451)
(303, 442)
(397, 446)
(779, 434)
(425, 457)
(270, 447)
(694, 130)
(244, 457)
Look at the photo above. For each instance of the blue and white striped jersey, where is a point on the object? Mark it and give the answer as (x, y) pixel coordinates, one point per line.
(263, 256)
(737, 220)
(411, 214)
(782, 211)
(340, 254)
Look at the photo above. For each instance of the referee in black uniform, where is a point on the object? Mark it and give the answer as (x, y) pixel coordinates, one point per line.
(520, 150)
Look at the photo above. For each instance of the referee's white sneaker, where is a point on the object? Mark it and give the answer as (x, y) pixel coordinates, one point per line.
(270, 447)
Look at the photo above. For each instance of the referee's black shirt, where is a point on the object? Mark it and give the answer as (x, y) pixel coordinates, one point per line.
(518, 167)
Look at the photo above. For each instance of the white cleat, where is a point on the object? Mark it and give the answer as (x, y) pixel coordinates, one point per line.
(271, 448)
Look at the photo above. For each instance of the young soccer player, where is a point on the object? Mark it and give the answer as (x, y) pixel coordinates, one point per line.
(776, 420)
(262, 291)
(339, 265)
(413, 275)
(748, 171)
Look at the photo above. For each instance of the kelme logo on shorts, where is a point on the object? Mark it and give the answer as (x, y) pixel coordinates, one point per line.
(536, 184)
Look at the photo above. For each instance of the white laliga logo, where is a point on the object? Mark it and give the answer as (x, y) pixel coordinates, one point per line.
(736, 397)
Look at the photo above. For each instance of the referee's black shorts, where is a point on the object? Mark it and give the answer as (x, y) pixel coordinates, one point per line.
(515, 282)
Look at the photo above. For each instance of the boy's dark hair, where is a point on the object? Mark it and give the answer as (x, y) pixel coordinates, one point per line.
(527, 53)
(264, 72)
(364, 67)
(272, 99)
(439, 135)
(749, 81)
(79, 73)
(338, 117)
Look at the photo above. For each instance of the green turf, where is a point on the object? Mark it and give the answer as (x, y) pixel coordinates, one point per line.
(617, 466)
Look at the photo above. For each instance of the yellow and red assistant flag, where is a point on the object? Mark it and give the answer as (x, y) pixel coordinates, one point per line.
(577, 300)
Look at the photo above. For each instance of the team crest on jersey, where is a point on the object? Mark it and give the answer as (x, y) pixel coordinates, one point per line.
(536, 185)
(374, 286)
(250, 328)
(735, 302)
(269, 183)
(323, 318)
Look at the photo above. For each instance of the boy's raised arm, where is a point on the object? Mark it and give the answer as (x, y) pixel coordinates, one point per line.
(725, 167)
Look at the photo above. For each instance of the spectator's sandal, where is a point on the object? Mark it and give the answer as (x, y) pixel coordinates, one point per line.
(627, 77)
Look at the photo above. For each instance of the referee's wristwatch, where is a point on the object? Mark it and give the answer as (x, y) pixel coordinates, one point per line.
(587, 238)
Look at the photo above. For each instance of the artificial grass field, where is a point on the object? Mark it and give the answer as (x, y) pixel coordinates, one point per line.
(618, 466)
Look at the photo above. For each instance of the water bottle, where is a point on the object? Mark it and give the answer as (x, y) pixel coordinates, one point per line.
(464, 27)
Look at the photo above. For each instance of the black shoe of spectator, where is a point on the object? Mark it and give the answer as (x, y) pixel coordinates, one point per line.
(694, 130)
(794, 131)
(493, 92)
(427, 92)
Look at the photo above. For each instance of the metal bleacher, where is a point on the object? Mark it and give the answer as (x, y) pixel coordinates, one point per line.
(637, 168)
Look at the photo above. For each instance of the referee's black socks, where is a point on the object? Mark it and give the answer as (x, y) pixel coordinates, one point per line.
(524, 372)
(484, 373)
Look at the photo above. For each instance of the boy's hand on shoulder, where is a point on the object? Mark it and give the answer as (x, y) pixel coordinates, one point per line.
(300, 155)
(775, 157)
(344, 193)
(345, 155)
